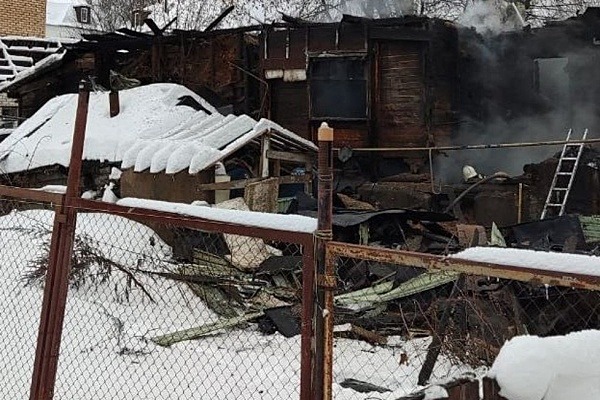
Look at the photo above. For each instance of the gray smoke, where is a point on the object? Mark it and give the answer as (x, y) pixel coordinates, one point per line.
(525, 99)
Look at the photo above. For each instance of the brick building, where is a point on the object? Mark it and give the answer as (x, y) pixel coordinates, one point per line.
(23, 18)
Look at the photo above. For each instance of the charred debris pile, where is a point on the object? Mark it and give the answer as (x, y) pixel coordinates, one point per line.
(252, 281)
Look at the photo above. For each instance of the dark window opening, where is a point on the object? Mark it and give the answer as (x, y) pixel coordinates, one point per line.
(338, 88)
(83, 14)
(551, 79)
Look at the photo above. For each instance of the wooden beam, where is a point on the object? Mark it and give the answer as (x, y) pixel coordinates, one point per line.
(300, 158)
(264, 160)
(240, 184)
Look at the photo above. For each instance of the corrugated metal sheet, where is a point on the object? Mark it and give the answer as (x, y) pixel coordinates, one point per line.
(203, 141)
(591, 228)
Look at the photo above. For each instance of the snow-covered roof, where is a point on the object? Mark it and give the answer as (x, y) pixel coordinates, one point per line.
(46, 63)
(154, 131)
(20, 54)
(62, 13)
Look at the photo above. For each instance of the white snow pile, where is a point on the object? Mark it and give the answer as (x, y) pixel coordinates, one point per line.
(106, 351)
(152, 131)
(541, 260)
(550, 368)
(293, 223)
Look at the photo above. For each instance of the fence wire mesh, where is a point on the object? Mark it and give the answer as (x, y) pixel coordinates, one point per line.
(398, 327)
(155, 311)
(22, 237)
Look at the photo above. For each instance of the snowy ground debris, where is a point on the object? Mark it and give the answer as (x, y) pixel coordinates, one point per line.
(105, 349)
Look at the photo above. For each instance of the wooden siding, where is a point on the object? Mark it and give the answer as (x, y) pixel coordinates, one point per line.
(400, 95)
(289, 106)
(179, 188)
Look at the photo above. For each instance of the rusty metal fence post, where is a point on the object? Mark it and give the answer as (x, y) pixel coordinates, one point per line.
(307, 332)
(325, 277)
(56, 285)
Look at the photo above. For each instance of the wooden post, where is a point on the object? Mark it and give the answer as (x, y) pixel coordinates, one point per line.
(491, 389)
(325, 269)
(57, 277)
(114, 105)
(264, 159)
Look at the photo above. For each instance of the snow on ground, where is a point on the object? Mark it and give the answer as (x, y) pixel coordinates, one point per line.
(542, 260)
(105, 349)
(550, 368)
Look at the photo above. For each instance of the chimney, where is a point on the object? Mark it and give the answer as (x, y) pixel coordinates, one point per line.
(113, 99)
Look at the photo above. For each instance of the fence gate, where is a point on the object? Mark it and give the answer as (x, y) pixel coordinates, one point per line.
(132, 300)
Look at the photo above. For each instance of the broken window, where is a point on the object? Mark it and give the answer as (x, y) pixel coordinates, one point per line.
(338, 88)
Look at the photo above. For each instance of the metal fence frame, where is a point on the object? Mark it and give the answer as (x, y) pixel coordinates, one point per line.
(431, 263)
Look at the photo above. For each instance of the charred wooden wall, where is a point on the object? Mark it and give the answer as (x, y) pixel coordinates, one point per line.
(400, 95)
(178, 188)
(33, 94)
(286, 50)
(218, 66)
(411, 79)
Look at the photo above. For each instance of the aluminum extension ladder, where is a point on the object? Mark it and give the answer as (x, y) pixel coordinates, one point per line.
(564, 177)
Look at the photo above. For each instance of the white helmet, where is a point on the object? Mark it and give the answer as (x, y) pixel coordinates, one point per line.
(469, 172)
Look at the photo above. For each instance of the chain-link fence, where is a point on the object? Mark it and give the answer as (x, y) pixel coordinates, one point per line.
(399, 327)
(155, 310)
(163, 312)
(22, 237)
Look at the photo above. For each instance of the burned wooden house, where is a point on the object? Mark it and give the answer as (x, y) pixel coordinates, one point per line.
(380, 83)
(387, 86)
(217, 65)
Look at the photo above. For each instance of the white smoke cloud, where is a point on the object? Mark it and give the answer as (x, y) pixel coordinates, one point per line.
(490, 17)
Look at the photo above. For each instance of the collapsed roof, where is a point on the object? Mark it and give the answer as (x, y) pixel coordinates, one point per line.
(19, 54)
(161, 127)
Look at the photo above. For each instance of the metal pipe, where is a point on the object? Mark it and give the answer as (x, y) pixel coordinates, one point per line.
(473, 186)
(324, 308)
(114, 105)
(167, 218)
(308, 293)
(520, 204)
(476, 146)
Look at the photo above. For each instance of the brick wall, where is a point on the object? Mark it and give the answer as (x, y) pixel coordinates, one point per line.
(23, 17)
